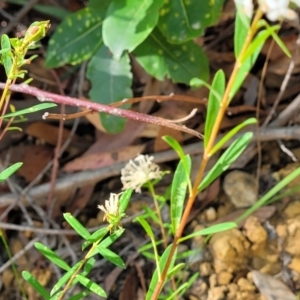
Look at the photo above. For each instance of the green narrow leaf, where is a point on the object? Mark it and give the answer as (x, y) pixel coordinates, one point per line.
(190, 281)
(210, 230)
(6, 57)
(181, 21)
(80, 295)
(178, 290)
(175, 270)
(162, 263)
(92, 286)
(147, 228)
(218, 85)
(181, 63)
(227, 158)
(77, 226)
(36, 285)
(124, 200)
(180, 182)
(231, 134)
(245, 68)
(111, 81)
(29, 110)
(76, 39)
(52, 256)
(97, 235)
(9, 171)
(174, 145)
(275, 190)
(111, 256)
(242, 26)
(64, 279)
(127, 24)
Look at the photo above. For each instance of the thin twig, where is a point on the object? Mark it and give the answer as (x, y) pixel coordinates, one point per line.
(66, 183)
(50, 97)
(21, 13)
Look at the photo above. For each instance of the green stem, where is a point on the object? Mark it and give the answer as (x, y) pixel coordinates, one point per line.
(206, 156)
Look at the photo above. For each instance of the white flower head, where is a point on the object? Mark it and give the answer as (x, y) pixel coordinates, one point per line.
(278, 9)
(111, 207)
(139, 171)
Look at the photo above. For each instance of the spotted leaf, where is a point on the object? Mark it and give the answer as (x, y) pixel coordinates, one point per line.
(183, 20)
(179, 62)
(128, 23)
(76, 38)
(111, 81)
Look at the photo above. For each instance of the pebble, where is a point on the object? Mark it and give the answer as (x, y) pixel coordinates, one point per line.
(240, 187)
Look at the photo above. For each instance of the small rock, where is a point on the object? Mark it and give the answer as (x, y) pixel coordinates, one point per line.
(232, 288)
(229, 250)
(213, 280)
(224, 277)
(295, 264)
(245, 285)
(211, 214)
(255, 232)
(217, 293)
(241, 188)
(205, 269)
(293, 209)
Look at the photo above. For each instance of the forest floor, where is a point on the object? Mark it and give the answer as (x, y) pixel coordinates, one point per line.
(258, 260)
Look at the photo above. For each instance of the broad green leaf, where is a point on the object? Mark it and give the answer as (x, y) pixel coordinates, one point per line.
(155, 276)
(124, 200)
(181, 63)
(111, 81)
(275, 190)
(245, 68)
(52, 256)
(64, 279)
(231, 134)
(242, 26)
(218, 85)
(36, 285)
(181, 21)
(111, 256)
(180, 182)
(29, 110)
(100, 5)
(175, 145)
(9, 171)
(76, 39)
(77, 226)
(226, 159)
(210, 230)
(127, 24)
(92, 286)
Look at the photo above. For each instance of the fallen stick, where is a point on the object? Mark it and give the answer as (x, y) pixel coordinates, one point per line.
(77, 180)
